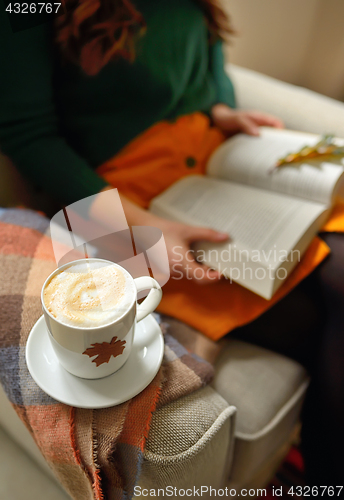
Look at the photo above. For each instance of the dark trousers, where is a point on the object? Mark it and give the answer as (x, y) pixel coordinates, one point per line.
(308, 326)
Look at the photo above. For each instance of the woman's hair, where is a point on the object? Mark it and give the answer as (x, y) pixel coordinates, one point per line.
(93, 32)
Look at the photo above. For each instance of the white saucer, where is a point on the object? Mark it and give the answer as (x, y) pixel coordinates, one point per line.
(139, 370)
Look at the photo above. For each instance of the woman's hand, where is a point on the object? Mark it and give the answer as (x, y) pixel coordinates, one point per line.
(231, 121)
(178, 237)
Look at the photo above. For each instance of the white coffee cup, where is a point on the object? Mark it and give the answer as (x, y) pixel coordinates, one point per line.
(76, 346)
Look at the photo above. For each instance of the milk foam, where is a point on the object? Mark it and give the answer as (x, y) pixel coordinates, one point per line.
(89, 294)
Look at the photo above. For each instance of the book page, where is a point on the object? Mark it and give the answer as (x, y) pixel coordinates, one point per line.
(254, 219)
(248, 160)
(265, 227)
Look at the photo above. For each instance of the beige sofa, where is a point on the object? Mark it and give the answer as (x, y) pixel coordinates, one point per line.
(235, 432)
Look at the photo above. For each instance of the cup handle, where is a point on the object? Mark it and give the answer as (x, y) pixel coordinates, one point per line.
(152, 300)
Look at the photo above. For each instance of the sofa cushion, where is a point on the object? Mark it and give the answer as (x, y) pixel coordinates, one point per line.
(267, 389)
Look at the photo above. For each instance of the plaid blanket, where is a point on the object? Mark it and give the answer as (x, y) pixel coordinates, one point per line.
(95, 454)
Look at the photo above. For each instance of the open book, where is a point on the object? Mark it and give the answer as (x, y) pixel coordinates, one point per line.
(271, 217)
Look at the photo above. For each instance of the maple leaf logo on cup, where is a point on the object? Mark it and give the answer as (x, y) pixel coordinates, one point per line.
(105, 350)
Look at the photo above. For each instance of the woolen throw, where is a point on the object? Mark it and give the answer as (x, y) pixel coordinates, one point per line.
(95, 454)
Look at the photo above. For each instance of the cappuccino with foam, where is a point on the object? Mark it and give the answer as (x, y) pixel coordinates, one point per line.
(88, 294)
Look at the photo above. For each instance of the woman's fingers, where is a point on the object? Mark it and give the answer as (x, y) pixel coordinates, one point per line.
(200, 274)
(231, 120)
(265, 119)
(190, 268)
(249, 122)
(194, 233)
(248, 125)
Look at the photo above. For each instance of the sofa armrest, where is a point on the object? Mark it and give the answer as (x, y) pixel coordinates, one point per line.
(191, 441)
(299, 108)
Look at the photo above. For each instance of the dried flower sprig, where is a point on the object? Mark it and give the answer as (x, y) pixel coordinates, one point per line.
(325, 147)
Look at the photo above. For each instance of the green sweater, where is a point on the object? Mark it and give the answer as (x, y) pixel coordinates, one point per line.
(57, 124)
